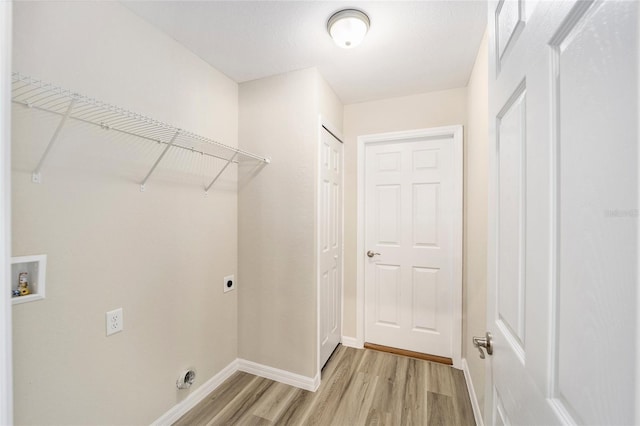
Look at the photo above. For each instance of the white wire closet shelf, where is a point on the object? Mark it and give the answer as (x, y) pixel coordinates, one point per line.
(44, 96)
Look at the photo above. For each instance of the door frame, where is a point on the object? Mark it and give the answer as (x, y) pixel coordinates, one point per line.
(6, 349)
(455, 132)
(325, 125)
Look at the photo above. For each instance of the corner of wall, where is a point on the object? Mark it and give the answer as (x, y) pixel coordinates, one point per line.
(277, 321)
(475, 246)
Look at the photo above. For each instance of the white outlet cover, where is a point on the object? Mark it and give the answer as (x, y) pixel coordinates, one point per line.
(114, 321)
(225, 285)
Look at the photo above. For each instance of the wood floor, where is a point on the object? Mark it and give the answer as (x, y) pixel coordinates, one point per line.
(359, 387)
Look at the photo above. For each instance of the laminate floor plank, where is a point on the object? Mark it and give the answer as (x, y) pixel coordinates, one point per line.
(382, 404)
(440, 379)
(297, 410)
(326, 402)
(441, 411)
(397, 391)
(253, 420)
(359, 387)
(461, 402)
(218, 399)
(415, 397)
(354, 406)
(239, 409)
(274, 401)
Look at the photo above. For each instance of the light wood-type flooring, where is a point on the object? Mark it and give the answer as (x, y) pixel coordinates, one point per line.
(359, 387)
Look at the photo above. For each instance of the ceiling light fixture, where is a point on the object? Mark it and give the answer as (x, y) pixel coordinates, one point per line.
(348, 27)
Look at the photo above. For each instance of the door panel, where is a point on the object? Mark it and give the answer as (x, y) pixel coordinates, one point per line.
(596, 250)
(387, 214)
(409, 197)
(330, 237)
(425, 214)
(425, 299)
(563, 249)
(387, 295)
(510, 134)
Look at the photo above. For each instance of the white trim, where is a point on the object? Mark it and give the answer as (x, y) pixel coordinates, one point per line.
(6, 369)
(181, 408)
(316, 243)
(352, 342)
(637, 414)
(456, 133)
(477, 414)
(288, 378)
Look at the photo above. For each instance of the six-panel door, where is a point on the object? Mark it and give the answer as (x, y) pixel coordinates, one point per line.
(409, 196)
(563, 209)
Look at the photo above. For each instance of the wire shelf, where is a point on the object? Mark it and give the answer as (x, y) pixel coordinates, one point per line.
(44, 96)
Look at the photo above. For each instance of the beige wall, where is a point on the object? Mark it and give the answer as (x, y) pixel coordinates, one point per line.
(161, 254)
(475, 242)
(448, 107)
(277, 217)
(331, 108)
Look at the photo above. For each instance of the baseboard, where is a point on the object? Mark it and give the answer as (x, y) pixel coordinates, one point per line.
(282, 376)
(303, 382)
(477, 414)
(181, 408)
(352, 342)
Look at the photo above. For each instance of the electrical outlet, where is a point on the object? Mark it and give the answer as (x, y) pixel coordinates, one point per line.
(115, 321)
(229, 283)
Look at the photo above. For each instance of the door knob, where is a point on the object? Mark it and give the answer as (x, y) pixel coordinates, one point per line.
(370, 253)
(483, 342)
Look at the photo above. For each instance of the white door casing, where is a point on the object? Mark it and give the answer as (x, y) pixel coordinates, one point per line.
(6, 373)
(410, 211)
(563, 212)
(330, 233)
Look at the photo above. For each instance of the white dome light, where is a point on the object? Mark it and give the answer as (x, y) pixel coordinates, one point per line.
(348, 27)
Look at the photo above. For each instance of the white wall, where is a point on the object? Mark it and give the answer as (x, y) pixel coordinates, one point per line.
(160, 255)
(426, 110)
(475, 242)
(277, 218)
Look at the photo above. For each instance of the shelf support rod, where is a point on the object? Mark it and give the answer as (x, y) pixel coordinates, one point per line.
(166, 148)
(35, 176)
(229, 161)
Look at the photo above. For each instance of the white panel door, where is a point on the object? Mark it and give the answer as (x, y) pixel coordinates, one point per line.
(330, 240)
(409, 229)
(563, 231)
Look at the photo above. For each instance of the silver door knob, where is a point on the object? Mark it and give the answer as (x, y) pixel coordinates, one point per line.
(371, 253)
(484, 342)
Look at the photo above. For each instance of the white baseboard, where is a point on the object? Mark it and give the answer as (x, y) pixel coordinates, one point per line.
(352, 342)
(282, 376)
(303, 382)
(196, 396)
(477, 414)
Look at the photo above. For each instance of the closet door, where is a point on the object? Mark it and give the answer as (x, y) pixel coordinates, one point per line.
(330, 244)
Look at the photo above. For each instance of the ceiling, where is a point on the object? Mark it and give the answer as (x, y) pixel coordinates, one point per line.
(412, 46)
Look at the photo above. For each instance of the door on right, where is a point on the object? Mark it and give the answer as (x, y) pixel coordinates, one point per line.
(563, 208)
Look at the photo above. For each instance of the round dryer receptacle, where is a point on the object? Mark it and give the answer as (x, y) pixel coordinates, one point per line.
(186, 379)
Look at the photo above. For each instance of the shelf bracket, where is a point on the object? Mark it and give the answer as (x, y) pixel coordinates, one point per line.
(35, 176)
(229, 161)
(166, 148)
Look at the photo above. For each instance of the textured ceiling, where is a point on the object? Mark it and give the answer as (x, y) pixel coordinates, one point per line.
(412, 47)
